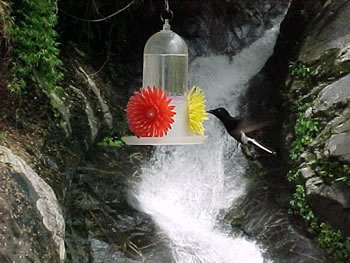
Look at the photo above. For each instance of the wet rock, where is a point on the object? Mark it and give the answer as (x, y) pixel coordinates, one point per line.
(64, 111)
(328, 30)
(101, 224)
(339, 145)
(336, 192)
(312, 184)
(262, 219)
(339, 142)
(32, 226)
(107, 116)
(344, 127)
(307, 172)
(93, 121)
(331, 202)
(332, 125)
(344, 55)
(224, 27)
(335, 93)
(104, 252)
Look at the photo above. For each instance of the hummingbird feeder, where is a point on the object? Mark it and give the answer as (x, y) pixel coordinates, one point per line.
(164, 111)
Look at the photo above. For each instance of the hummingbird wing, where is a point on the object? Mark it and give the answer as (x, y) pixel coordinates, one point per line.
(247, 126)
(235, 126)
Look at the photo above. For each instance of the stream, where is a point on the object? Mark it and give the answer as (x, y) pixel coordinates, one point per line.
(186, 189)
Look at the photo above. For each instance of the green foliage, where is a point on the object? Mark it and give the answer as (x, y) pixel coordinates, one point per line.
(334, 242)
(305, 131)
(299, 70)
(337, 246)
(300, 207)
(332, 170)
(111, 141)
(293, 175)
(36, 52)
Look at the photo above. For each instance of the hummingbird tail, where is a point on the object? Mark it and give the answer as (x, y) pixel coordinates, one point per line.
(245, 139)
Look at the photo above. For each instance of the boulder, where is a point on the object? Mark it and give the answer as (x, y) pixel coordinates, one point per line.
(339, 145)
(336, 93)
(330, 202)
(32, 226)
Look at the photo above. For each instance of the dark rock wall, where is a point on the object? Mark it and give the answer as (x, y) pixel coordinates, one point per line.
(327, 92)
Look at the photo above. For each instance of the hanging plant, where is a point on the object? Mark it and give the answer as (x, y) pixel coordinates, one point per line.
(196, 110)
(149, 113)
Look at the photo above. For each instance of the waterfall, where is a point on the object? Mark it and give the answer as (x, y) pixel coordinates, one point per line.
(185, 188)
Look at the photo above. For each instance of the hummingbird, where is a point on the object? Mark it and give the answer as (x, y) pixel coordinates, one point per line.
(238, 128)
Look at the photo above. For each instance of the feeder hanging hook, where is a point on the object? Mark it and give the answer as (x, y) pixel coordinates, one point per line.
(166, 14)
(166, 5)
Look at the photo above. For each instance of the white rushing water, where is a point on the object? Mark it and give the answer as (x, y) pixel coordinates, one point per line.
(184, 188)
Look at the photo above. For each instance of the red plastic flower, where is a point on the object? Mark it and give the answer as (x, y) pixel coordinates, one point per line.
(149, 113)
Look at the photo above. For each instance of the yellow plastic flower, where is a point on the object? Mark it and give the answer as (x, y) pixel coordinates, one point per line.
(196, 110)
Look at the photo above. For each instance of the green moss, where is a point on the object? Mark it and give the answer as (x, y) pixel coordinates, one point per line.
(313, 75)
(326, 67)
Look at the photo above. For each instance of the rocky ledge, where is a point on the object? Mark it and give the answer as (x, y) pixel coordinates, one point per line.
(32, 225)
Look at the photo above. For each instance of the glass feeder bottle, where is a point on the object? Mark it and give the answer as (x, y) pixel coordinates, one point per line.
(165, 63)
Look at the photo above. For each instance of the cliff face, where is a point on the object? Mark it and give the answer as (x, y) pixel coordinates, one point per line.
(317, 134)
